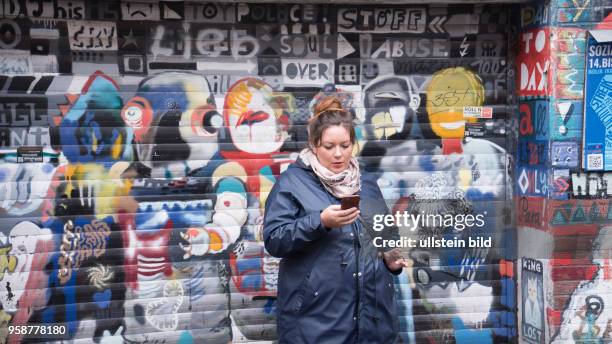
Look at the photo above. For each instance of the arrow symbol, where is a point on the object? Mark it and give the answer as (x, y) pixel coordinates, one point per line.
(436, 24)
(344, 47)
(248, 66)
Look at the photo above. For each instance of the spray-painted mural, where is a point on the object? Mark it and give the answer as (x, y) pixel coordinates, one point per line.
(163, 127)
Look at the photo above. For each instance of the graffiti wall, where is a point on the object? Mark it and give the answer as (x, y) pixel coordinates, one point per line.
(563, 209)
(139, 141)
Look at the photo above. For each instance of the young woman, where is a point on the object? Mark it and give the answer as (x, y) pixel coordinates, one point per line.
(334, 285)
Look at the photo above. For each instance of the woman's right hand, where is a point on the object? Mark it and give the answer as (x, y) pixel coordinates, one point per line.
(334, 217)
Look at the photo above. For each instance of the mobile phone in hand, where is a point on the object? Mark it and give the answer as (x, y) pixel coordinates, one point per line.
(349, 202)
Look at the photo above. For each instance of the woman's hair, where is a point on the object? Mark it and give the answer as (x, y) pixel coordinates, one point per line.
(329, 112)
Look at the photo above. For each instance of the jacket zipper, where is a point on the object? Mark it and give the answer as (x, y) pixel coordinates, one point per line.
(357, 277)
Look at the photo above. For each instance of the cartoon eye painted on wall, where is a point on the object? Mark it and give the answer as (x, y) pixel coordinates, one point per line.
(137, 113)
(206, 121)
(133, 115)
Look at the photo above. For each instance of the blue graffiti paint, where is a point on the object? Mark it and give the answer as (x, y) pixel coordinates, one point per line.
(465, 335)
(102, 299)
(91, 129)
(185, 338)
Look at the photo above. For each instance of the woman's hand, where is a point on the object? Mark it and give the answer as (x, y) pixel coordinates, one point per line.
(333, 216)
(395, 260)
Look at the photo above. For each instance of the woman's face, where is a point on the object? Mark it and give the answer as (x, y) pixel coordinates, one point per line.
(335, 149)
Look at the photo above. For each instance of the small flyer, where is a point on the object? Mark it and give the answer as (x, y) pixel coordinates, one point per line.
(28, 154)
(532, 301)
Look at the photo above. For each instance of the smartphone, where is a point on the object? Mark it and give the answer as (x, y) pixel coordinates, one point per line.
(349, 202)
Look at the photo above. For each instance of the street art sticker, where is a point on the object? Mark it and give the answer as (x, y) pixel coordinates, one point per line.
(305, 72)
(534, 14)
(532, 301)
(533, 120)
(382, 20)
(566, 116)
(597, 137)
(592, 184)
(564, 154)
(533, 63)
(89, 35)
(532, 181)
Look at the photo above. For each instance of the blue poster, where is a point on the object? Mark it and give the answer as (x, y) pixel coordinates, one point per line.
(597, 139)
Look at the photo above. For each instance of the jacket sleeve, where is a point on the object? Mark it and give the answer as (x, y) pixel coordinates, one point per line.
(284, 232)
(388, 233)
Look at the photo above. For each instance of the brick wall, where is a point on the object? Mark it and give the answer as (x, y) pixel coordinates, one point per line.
(563, 216)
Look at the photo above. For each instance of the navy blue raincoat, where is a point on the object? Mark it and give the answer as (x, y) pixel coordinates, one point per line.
(333, 285)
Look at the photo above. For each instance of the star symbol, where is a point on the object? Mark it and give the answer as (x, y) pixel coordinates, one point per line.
(130, 39)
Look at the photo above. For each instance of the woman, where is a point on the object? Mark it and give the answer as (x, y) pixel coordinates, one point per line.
(334, 286)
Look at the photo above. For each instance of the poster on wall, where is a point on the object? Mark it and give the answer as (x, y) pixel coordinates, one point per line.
(597, 139)
(532, 301)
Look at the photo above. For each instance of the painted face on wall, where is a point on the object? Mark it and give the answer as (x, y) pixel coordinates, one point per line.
(257, 118)
(19, 249)
(335, 150)
(448, 92)
(391, 104)
(92, 129)
(175, 120)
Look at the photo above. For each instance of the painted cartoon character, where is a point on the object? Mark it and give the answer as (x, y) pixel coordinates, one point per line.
(175, 262)
(391, 104)
(448, 92)
(532, 304)
(77, 211)
(459, 176)
(92, 130)
(257, 119)
(588, 316)
(177, 249)
(175, 123)
(85, 236)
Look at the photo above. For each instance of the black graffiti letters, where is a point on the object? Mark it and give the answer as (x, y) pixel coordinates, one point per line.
(382, 19)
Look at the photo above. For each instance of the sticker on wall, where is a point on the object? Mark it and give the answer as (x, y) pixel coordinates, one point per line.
(564, 154)
(29, 154)
(307, 72)
(348, 72)
(140, 11)
(597, 137)
(532, 181)
(475, 130)
(561, 184)
(477, 112)
(91, 35)
(404, 20)
(532, 301)
(533, 62)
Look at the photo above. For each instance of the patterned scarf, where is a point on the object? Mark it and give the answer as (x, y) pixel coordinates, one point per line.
(343, 184)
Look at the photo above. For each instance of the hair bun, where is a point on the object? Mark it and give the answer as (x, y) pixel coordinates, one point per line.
(329, 103)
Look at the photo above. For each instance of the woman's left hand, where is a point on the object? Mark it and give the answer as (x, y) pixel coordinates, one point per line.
(395, 260)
